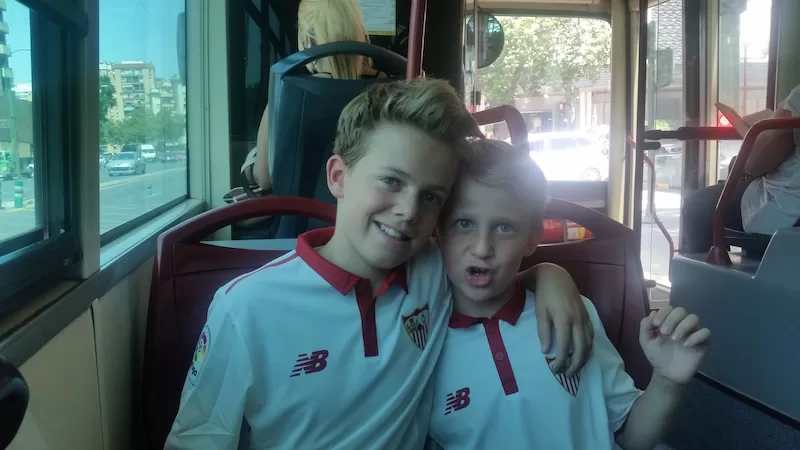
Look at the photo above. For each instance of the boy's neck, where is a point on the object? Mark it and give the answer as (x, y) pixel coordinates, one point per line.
(339, 252)
(487, 308)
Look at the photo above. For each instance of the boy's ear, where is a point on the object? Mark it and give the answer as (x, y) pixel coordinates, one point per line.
(336, 170)
(534, 239)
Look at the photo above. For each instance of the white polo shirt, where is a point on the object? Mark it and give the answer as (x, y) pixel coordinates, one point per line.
(492, 391)
(310, 358)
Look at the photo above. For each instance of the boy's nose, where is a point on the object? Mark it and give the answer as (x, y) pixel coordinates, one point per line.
(407, 208)
(483, 247)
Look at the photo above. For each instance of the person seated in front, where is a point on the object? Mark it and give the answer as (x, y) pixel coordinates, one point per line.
(334, 345)
(490, 390)
(765, 200)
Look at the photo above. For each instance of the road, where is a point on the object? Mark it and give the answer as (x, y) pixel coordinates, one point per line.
(122, 198)
(655, 249)
(127, 197)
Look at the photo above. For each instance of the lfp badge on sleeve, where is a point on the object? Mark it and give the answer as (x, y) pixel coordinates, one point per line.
(199, 355)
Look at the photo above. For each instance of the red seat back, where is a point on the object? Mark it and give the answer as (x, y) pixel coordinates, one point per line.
(186, 274)
(608, 271)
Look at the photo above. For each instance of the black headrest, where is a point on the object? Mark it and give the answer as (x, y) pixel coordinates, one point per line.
(303, 112)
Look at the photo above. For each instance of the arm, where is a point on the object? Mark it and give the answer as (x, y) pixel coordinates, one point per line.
(559, 302)
(261, 166)
(215, 392)
(675, 345)
(648, 420)
(771, 148)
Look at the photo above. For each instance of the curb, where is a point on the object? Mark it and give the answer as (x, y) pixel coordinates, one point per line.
(9, 206)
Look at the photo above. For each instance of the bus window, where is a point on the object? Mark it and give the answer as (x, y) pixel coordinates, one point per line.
(556, 72)
(744, 30)
(19, 213)
(663, 111)
(142, 113)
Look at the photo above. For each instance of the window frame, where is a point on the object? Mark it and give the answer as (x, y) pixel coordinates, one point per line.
(51, 252)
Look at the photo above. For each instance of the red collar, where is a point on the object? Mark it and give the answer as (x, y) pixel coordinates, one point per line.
(342, 280)
(510, 312)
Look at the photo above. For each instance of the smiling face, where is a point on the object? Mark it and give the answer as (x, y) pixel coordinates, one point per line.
(484, 237)
(389, 200)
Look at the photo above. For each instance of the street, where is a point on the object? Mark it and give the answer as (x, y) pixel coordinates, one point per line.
(655, 249)
(124, 198)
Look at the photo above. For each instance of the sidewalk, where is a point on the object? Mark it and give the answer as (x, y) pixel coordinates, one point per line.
(663, 200)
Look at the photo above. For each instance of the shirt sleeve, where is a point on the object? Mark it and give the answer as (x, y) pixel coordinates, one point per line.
(792, 101)
(618, 388)
(792, 104)
(215, 392)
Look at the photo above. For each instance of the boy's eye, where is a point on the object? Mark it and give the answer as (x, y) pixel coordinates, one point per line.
(432, 199)
(463, 224)
(505, 228)
(390, 181)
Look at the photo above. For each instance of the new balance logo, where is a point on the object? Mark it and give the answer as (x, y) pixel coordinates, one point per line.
(315, 362)
(457, 400)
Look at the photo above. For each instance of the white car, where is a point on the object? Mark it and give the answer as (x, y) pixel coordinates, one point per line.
(570, 156)
(148, 152)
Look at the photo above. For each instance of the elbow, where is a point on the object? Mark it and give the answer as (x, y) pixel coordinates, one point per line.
(263, 179)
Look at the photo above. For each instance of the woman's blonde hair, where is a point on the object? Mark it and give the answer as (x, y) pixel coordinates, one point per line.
(325, 21)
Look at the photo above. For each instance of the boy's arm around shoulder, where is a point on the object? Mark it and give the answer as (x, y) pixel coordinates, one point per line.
(215, 392)
(559, 304)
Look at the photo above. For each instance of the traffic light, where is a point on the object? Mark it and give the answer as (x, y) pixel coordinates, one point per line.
(723, 121)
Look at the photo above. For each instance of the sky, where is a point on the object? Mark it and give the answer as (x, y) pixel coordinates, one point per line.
(130, 30)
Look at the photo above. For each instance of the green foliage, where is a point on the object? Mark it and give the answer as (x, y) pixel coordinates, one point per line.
(662, 125)
(545, 51)
(107, 101)
(144, 127)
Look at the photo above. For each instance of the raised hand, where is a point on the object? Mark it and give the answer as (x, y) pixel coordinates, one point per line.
(674, 343)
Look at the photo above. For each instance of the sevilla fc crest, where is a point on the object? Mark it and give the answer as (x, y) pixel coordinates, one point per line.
(570, 384)
(416, 325)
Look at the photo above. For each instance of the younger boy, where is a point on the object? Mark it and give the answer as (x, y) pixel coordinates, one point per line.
(491, 392)
(333, 345)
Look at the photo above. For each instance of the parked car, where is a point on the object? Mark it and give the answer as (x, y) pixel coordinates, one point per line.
(126, 163)
(570, 156)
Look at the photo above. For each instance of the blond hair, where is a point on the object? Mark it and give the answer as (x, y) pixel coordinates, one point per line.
(430, 105)
(325, 21)
(498, 164)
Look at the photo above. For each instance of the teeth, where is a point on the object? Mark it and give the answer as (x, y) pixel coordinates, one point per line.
(392, 233)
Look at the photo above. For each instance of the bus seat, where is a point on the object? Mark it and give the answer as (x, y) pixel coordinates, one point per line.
(753, 245)
(608, 271)
(186, 274)
(751, 307)
(303, 113)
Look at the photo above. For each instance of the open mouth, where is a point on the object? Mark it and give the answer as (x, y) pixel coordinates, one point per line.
(478, 276)
(392, 233)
